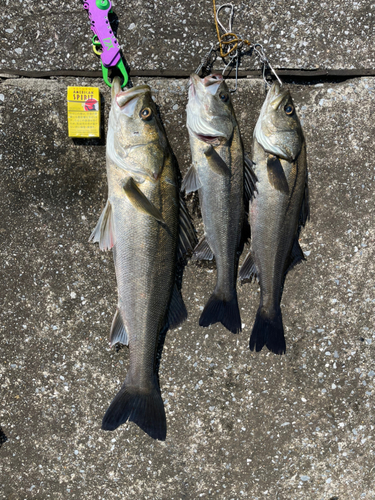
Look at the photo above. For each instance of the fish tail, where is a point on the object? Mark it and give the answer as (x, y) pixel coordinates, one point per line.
(268, 331)
(146, 409)
(218, 309)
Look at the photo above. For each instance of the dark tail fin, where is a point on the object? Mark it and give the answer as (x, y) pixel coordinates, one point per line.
(144, 409)
(220, 310)
(268, 331)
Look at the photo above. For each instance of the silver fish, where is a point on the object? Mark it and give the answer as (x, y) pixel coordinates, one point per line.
(148, 227)
(277, 211)
(217, 172)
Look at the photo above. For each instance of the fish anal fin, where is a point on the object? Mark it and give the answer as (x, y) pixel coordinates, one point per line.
(191, 181)
(276, 175)
(139, 201)
(118, 333)
(216, 163)
(248, 269)
(104, 229)
(203, 251)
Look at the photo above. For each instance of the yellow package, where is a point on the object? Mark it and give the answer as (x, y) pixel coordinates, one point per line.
(83, 112)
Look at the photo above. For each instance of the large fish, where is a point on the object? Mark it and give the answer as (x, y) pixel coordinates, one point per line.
(217, 172)
(147, 225)
(277, 212)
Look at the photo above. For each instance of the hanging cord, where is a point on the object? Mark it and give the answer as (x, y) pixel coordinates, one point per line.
(228, 39)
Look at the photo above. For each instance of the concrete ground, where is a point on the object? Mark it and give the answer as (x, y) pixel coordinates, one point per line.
(174, 35)
(240, 424)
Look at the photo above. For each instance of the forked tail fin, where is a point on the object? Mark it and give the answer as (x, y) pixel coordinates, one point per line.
(144, 408)
(268, 331)
(224, 311)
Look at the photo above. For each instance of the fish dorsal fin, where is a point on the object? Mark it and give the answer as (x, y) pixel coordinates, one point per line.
(250, 180)
(177, 312)
(104, 229)
(118, 333)
(276, 174)
(191, 181)
(203, 251)
(140, 201)
(216, 163)
(187, 233)
(248, 269)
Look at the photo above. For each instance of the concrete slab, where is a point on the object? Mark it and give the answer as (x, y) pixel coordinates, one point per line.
(240, 424)
(175, 36)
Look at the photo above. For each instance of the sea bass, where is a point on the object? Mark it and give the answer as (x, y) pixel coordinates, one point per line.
(148, 227)
(217, 172)
(277, 212)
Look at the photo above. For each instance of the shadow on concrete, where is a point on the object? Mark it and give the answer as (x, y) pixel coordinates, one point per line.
(3, 437)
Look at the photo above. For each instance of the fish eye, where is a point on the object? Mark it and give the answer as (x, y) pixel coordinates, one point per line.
(224, 96)
(146, 114)
(289, 109)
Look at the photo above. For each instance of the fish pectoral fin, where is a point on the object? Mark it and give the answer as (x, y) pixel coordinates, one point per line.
(248, 269)
(216, 163)
(140, 201)
(118, 333)
(191, 181)
(104, 230)
(203, 251)
(276, 175)
(250, 180)
(296, 256)
(187, 233)
(177, 312)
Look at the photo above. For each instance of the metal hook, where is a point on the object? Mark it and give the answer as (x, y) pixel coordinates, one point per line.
(237, 64)
(237, 57)
(265, 61)
(205, 59)
(230, 16)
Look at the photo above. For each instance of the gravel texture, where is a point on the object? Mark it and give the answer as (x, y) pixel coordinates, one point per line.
(240, 424)
(174, 35)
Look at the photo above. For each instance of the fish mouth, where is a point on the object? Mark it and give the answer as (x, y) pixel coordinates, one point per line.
(124, 97)
(212, 79)
(276, 96)
(208, 84)
(209, 139)
(200, 125)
